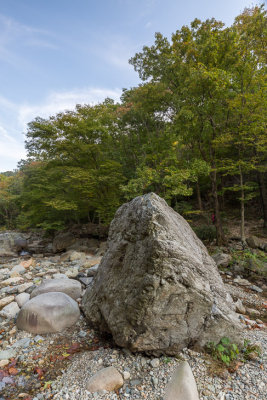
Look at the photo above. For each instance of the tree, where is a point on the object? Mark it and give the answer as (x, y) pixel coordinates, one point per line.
(10, 187)
(209, 72)
(72, 176)
(246, 135)
(158, 163)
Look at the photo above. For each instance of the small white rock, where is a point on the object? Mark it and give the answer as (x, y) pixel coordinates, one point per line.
(126, 375)
(105, 379)
(10, 311)
(18, 269)
(6, 300)
(154, 363)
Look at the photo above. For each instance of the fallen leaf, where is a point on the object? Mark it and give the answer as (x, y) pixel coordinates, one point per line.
(13, 371)
(235, 367)
(13, 362)
(3, 374)
(40, 372)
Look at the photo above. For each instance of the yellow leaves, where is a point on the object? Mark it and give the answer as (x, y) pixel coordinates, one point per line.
(59, 204)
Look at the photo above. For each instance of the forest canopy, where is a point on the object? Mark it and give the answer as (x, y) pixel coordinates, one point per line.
(195, 126)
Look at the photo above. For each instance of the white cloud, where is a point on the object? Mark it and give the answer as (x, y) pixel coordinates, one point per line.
(4, 134)
(11, 151)
(61, 101)
(15, 120)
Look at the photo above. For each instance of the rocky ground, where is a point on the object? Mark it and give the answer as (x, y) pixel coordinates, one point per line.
(58, 366)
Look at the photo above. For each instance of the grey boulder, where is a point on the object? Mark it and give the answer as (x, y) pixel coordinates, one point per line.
(182, 385)
(48, 313)
(256, 243)
(222, 259)
(22, 298)
(157, 289)
(10, 311)
(7, 243)
(21, 244)
(71, 287)
(62, 241)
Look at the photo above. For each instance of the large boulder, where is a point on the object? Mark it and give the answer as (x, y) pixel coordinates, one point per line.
(8, 240)
(256, 243)
(222, 259)
(47, 313)
(21, 244)
(157, 289)
(62, 241)
(71, 287)
(12, 243)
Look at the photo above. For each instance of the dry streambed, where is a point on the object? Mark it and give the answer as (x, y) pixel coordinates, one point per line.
(60, 365)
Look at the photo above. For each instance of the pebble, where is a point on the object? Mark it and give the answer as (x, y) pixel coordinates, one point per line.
(3, 363)
(256, 289)
(6, 300)
(126, 375)
(10, 311)
(154, 363)
(7, 354)
(145, 377)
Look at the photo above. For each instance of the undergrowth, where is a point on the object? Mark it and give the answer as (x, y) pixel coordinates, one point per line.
(251, 260)
(227, 352)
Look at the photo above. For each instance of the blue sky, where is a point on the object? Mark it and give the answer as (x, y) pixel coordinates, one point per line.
(57, 53)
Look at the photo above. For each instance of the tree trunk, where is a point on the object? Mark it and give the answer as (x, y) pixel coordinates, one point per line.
(262, 180)
(199, 200)
(218, 224)
(242, 225)
(222, 195)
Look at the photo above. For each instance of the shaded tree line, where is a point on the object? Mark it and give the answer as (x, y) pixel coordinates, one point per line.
(196, 123)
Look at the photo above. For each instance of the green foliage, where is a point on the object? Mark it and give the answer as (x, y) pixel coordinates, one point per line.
(215, 80)
(199, 115)
(183, 207)
(226, 352)
(252, 260)
(205, 232)
(72, 175)
(166, 360)
(10, 187)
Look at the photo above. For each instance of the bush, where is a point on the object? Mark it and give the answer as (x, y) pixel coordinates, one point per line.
(183, 207)
(252, 260)
(226, 352)
(205, 232)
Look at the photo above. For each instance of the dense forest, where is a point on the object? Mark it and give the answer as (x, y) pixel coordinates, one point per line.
(194, 129)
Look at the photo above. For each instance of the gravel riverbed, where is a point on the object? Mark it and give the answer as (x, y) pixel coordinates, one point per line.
(58, 366)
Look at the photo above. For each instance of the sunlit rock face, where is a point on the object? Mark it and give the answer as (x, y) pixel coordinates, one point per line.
(157, 289)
